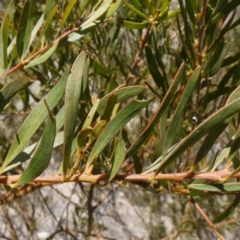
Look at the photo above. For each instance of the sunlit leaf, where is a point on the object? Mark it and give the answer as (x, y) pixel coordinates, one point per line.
(136, 11)
(72, 96)
(67, 11)
(113, 8)
(226, 187)
(95, 15)
(114, 126)
(34, 120)
(41, 156)
(119, 157)
(43, 57)
(171, 132)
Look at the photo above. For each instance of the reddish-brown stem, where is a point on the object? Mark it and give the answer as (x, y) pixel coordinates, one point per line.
(216, 176)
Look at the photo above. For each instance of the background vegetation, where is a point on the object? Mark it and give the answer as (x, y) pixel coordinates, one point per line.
(119, 119)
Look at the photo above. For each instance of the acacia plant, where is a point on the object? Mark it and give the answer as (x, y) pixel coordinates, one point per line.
(122, 92)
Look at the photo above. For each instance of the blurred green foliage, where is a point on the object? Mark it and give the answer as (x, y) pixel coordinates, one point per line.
(125, 87)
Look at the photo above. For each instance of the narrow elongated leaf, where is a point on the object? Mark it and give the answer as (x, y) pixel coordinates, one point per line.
(133, 24)
(162, 108)
(218, 117)
(41, 156)
(170, 135)
(114, 126)
(137, 4)
(231, 59)
(235, 146)
(113, 8)
(67, 11)
(35, 119)
(95, 15)
(27, 152)
(35, 30)
(72, 96)
(211, 138)
(108, 109)
(135, 10)
(50, 4)
(85, 75)
(3, 42)
(12, 88)
(25, 28)
(122, 94)
(44, 57)
(91, 114)
(153, 68)
(225, 11)
(119, 157)
(226, 187)
(5, 26)
(224, 154)
(235, 95)
(47, 24)
(216, 60)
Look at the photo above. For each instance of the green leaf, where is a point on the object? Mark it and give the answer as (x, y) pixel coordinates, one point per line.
(74, 37)
(4, 43)
(85, 82)
(109, 106)
(114, 126)
(50, 4)
(154, 70)
(97, 14)
(209, 141)
(12, 88)
(216, 59)
(135, 10)
(231, 59)
(91, 114)
(27, 152)
(46, 25)
(232, 5)
(170, 135)
(41, 156)
(235, 95)
(72, 96)
(161, 110)
(25, 28)
(35, 30)
(133, 24)
(224, 154)
(67, 11)
(235, 146)
(218, 117)
(137, 5)
(113, 8)
(226, 187)
(119, 157)
(34, 120)
(122, 93)
(43, 57)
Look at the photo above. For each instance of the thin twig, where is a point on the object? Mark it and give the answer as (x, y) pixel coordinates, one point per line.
(209, 222)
